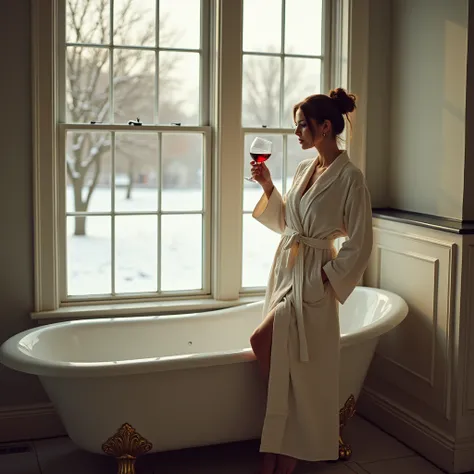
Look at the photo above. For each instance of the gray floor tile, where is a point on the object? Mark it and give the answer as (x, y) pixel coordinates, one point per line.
(324, 468)
(60, 455)
(235, 458)
(353, 466)
(370, 443)
(19, 463)
(408, 465)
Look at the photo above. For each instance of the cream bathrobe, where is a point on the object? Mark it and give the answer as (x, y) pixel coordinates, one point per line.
(302, 416)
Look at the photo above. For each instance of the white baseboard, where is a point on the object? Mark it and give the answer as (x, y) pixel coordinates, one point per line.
(29, 422)
(417, 434)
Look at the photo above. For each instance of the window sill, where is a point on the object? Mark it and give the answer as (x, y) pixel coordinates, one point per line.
(113, 310)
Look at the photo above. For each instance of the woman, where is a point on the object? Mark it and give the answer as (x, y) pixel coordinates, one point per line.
(297, 343)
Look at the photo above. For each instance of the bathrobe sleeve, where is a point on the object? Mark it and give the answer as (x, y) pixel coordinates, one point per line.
(271, 211)
(345, 271)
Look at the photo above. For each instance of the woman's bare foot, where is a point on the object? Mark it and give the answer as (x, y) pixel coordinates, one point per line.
(268, 463)
(285, 464)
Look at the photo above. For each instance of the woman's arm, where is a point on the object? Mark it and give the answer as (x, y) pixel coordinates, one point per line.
(345, 271)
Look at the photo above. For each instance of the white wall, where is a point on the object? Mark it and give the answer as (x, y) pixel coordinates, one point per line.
(16, 204)
(378, 101)
(468, 210)
(428, 98)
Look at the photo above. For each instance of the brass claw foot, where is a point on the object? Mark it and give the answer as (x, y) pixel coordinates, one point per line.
(126, 445)
(345, 414)
(345, 451)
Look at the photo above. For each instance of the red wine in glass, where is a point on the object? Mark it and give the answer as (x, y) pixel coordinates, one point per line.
(260, 157)
(260, 151)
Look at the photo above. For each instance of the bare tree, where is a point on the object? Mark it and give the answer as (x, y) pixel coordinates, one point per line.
(261, 90)
(88, 86)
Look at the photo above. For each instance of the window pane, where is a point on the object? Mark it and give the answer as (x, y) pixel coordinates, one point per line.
(294, 156)
(178, 88)
(259, 246)
(182, 158)
(178, 30)
(88, 256)
(302, 78)
(253, 191)
(87, 84)
(134, 85)
(261, 91)
(303, 32)
(262, 26)
(136, 172)
(136, 266)
(88, 172)
(181, 252)
(134, 22)
(88, 21)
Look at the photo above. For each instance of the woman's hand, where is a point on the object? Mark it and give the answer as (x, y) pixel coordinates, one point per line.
(261, 174)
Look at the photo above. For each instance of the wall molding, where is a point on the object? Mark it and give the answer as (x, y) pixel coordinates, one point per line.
(455, 457)
(29, 422)
(407, 427)
(435, 263)
(441, 254)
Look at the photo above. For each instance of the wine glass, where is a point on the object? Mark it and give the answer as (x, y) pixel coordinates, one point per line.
(260, 151)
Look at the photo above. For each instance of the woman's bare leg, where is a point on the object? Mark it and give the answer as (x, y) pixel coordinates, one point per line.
(285, 464)
(261, 342)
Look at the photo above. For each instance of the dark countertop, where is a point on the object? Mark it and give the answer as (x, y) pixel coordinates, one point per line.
(424, 220)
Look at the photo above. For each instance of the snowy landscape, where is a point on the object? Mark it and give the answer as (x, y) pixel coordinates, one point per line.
(89, 257)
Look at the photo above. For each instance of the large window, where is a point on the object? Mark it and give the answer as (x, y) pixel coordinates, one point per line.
(134, 149)
(143, 121)
(280, 68)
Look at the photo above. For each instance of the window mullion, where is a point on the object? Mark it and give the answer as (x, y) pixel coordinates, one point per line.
(204, 62)
(206, 206)
(282, 62)
(62, 221)
(159, 207)
(157, 64)
(111, 64)
(62, 50)
(228, 154)
(112, 217)
(327, 78)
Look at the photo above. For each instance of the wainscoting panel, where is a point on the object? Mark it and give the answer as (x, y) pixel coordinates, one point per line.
(468, 402)
(416, 356)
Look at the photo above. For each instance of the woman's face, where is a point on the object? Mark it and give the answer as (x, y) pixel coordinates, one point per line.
(303, 132)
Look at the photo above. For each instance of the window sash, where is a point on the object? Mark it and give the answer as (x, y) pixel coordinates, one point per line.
(205, 212)
(58, 12)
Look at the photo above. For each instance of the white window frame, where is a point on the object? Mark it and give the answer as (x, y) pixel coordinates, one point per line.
(226, 161)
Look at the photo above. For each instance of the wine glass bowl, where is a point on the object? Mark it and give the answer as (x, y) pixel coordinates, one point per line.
(260, 151)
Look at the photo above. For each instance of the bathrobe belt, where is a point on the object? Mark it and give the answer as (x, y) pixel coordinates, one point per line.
(296, 261)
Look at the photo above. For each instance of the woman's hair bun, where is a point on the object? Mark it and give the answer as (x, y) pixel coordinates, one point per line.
(344, 102)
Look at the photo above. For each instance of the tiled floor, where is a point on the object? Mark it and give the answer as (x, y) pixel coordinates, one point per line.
(374, 452)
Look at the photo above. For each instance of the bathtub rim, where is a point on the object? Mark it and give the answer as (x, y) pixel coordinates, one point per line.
(14, 358)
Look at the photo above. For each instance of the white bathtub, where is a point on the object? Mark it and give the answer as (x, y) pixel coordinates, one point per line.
(180, 381)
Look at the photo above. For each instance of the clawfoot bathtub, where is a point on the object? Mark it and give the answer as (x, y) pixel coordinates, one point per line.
(128, 386)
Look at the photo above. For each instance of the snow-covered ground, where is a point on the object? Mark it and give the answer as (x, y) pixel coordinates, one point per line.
(89, 259)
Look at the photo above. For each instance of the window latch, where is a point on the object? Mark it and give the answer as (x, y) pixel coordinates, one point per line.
(135, 123)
